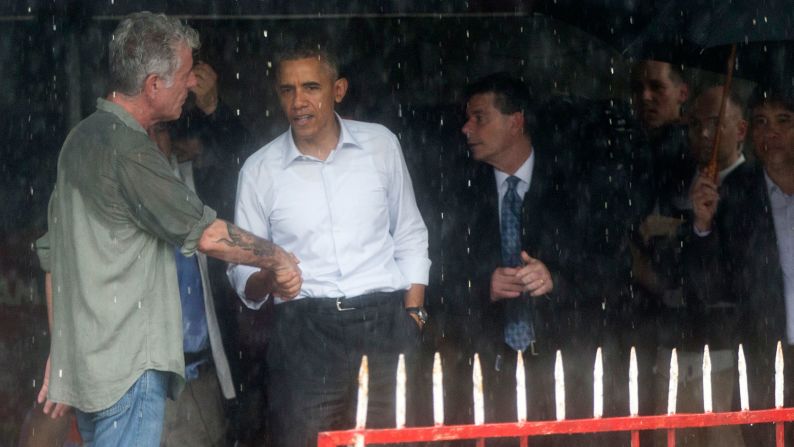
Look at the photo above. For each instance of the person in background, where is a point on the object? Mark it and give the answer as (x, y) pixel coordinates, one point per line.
(745, 230)
(690, 324)
(210, 144)
(660, 183)
(207, 372)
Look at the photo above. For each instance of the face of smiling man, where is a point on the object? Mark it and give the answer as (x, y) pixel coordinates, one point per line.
(308, 90)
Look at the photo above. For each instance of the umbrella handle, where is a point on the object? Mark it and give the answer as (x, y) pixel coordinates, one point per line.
(711, 169)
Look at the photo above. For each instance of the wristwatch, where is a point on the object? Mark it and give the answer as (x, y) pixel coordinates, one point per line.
(420, 313)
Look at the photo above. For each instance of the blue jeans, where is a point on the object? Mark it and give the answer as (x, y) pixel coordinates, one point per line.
(135, 420)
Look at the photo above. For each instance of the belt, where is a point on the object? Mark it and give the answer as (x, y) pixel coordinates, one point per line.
(342, 304)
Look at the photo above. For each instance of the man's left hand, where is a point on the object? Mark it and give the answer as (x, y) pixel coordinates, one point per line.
(52, 409)
(535, 276)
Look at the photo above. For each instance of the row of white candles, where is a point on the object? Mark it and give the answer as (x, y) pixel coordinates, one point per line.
(559, 380)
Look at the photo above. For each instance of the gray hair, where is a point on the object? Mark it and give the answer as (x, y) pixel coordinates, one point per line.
(145, 43)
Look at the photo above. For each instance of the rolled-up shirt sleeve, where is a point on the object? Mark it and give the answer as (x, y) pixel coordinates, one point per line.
(405, 223)
(250, 216)
(161, 203)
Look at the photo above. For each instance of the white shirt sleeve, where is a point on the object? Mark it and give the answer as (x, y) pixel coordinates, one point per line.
(250, 216)
(405, 223)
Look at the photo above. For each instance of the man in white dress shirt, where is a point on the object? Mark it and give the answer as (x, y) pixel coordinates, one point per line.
(338, 195)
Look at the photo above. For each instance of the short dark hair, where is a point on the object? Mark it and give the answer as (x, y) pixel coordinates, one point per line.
(312, 47)
(511, 95)
(777, 92)
(676, 73)
(733, 96)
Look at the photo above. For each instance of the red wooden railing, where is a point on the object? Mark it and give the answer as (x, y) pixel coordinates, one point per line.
(632, 424)
(523, 430)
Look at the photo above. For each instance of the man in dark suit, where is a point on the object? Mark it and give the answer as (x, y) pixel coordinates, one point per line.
(703, 314)
(745, 233)
(511, 282)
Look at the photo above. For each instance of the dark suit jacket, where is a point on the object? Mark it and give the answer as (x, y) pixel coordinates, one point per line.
(547, 235)
(740, 262)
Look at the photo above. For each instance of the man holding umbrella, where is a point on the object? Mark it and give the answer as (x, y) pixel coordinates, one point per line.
(705, 315)
(746, 231)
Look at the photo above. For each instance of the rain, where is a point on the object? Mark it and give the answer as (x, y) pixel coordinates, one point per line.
(618, 220)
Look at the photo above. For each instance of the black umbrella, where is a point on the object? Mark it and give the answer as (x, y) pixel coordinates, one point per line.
(708, 33)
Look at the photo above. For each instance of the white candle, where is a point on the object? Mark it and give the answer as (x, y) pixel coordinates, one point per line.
(438, 391)
(707, 401)
(401, 389)
(479, 412)
(779, 376)
(363, 393)
(521, 388)
(743, 394)
(598, 386)
(633, 394)
(672, 393)
(559, 386)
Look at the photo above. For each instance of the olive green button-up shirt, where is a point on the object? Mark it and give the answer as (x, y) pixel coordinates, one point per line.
(115, 213)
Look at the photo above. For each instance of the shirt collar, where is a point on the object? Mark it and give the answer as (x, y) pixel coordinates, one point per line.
(121, 113)
(346, 139)
(524, 172)
(771, 186)
(725, 172)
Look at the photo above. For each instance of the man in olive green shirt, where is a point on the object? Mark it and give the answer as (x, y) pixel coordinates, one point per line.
(115, 214)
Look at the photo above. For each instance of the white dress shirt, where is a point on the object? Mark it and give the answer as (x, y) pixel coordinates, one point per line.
(351, 220)
(783, 216)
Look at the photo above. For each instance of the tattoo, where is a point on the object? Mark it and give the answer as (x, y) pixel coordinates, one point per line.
(242, 239)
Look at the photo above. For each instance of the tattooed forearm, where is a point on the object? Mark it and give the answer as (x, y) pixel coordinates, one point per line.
(244, 240)
(234, 245)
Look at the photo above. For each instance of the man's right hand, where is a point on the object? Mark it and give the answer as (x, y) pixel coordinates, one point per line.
(705, 197)
(206, 88)
(505, 284)
(283, 279)
(54, 409)
(286, 279)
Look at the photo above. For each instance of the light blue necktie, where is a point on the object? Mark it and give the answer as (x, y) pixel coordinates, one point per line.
(518, 318)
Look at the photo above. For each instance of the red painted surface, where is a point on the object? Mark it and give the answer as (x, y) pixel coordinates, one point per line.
(635, 424)
(670, 437)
